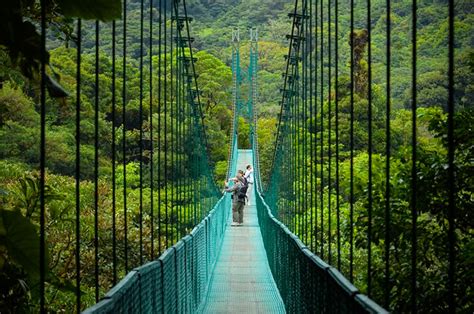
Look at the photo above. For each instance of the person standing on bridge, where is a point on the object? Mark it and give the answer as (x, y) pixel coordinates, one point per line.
(249, 177)
(241, 175)
(244, 189)
(238, 203)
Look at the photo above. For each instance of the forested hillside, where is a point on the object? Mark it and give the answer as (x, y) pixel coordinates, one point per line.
(211, 29)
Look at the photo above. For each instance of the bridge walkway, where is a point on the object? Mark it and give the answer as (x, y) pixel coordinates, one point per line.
(242, 281)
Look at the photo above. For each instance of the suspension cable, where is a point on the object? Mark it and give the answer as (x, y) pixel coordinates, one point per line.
(43, 56)
(124, 133)
(316, 108)
(321, 125)
(387, 156)
(414, 181)
(140, 112)
(329, 183)
(114, 160)
(172, 116)
(78, 168)
(351, 204)
(451, 173)
(312, 126)
(369, 150)
(336, 122)
(152, 147)
(159, 144)
(165, 122)
(96, 164)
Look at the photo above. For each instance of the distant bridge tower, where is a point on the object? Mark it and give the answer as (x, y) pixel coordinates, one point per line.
(236, 102)
(253, 97)
(236, 73)
(252, 71)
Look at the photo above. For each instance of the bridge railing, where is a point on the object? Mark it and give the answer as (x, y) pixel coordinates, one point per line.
(306, 283)
(178, 280)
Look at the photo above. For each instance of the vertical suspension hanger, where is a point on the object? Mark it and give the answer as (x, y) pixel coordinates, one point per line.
(452, 208)
(165, 121)
(414, 181)
(159, 102)
(96, 164)
(152, 147)
(173, 120)
(78, 169)
(42, 252)
(351, 204)
(172, 133)
(336, 122)
(316, 122)
(329, 183)
(114, 160)
(307, 48)
(178, 127)
(297, 140)
(369, 150)
(303, 128)
(388, 33)
(311, 126)
(140, 110)
(124, 133)
(321, 123)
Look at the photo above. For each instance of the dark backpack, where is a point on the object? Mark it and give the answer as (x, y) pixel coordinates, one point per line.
(242, 193)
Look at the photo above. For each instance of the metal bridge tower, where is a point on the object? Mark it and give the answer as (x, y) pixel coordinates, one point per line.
(253, 95)
(236, 102)
(252, 71)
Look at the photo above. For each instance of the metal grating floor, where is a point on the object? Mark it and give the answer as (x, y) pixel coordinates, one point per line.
(242, 281)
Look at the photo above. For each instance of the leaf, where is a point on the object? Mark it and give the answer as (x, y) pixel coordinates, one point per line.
(22, 241)
(104, 10)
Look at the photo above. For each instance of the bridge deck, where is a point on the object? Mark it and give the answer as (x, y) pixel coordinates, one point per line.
(242, 281)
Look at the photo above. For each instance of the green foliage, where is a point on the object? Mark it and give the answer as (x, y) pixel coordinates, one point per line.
(21, 241)
(23, 40)
(266, 130)
(19, 143)
(179, 200)
(16, 106)
(221, 171)
(290, 188)
(243, 133)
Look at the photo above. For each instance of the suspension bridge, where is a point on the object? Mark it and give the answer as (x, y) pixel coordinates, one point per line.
(280, 260)
(260, 267)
